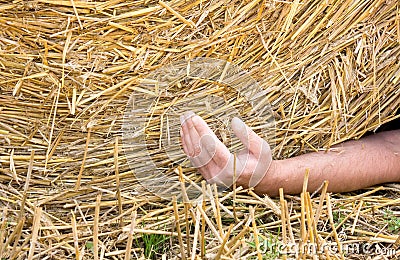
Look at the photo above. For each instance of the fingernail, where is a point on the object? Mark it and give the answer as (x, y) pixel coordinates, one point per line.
(238, 123)
(196, 119)
(186, 116)
(189, 114)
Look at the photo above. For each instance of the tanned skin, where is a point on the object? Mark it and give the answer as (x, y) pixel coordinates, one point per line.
(349, 166)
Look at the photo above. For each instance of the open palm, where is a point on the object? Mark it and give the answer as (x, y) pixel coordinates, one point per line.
(213, 159)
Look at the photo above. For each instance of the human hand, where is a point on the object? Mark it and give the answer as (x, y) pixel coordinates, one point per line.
(213, 159)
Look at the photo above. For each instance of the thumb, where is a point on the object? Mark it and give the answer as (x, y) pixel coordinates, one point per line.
(254, 143)
(256, 146)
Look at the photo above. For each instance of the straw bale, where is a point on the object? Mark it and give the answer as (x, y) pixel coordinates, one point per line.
(329, 69)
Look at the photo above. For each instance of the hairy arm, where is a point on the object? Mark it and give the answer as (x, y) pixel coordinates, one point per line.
(350, 166)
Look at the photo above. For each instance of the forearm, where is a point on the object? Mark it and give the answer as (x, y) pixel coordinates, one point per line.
(350, 166)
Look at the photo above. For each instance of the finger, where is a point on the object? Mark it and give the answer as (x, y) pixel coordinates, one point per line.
(204, 156)
(254, 143)
(193, 160)
(204, 165)
(207, 150)
(214, 155)
(194, 138)
(186, 140)
(215, 148)
(200, 162)
(184, 145)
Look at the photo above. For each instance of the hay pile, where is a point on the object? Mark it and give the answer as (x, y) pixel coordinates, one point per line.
(329, 69)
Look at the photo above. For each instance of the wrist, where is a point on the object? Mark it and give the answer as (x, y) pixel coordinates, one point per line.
(272, 181)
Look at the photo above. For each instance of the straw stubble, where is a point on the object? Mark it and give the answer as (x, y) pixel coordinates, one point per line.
(329, 69)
